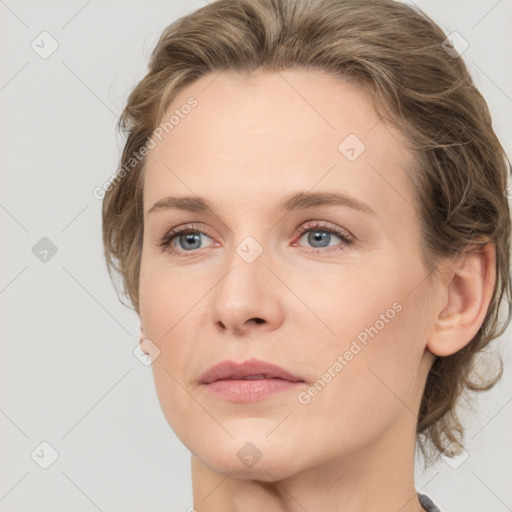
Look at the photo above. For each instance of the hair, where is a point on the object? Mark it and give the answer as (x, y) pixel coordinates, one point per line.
(395, 52)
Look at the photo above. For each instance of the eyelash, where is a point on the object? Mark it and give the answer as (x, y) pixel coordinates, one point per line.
(346, 239)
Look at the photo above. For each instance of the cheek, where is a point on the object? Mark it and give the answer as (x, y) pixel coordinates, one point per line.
(169, 309)
(366, 367)
(372, 385)
(165, 298)
(365, 315)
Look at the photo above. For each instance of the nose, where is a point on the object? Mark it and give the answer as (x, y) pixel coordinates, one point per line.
(247, 298)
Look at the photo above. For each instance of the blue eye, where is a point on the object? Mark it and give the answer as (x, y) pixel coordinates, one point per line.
(188, 239)
(319, 235)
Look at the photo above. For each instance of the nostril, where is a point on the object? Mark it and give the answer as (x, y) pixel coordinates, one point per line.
(259, 320)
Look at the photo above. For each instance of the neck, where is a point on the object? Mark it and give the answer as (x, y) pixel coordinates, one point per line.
(377, 477)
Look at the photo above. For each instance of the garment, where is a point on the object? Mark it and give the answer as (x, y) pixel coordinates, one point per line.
(427, 503)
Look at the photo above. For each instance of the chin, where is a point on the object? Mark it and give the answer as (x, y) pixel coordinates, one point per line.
(265, 470)
(250, 458)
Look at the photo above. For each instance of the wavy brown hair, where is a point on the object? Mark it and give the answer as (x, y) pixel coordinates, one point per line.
(397, 53)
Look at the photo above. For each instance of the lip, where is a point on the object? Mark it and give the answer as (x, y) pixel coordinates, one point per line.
(233, 370)
(226, 380)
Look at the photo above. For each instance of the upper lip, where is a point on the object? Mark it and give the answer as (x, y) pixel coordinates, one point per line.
(233, 370)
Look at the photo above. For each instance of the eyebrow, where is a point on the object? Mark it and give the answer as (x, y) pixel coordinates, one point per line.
(296, 201)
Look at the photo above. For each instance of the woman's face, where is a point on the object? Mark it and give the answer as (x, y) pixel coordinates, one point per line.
(263, 275)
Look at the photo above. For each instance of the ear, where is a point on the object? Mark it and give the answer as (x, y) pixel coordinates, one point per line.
(468, 291)
(142, 337)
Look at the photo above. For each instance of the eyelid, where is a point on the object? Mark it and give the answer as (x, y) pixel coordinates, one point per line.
(181, 229)
(321, 225)
(345, 236)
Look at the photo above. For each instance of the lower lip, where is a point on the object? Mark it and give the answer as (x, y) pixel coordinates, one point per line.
(249, 390)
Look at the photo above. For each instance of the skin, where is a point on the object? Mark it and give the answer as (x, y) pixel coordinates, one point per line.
(250, 141)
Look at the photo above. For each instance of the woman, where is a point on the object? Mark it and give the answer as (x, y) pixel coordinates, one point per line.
(310, 219)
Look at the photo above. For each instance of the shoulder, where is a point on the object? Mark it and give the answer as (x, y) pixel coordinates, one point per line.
(427, 503)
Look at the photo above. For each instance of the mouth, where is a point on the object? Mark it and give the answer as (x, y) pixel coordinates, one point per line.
(252, 369)
(250, 381)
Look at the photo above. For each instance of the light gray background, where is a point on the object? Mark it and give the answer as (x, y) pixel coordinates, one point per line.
(68, 374)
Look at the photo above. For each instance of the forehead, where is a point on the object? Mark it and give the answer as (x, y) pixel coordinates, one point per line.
(248, 135)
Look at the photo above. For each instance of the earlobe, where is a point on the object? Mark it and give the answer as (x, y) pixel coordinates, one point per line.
(142, 337)
(468, 295)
